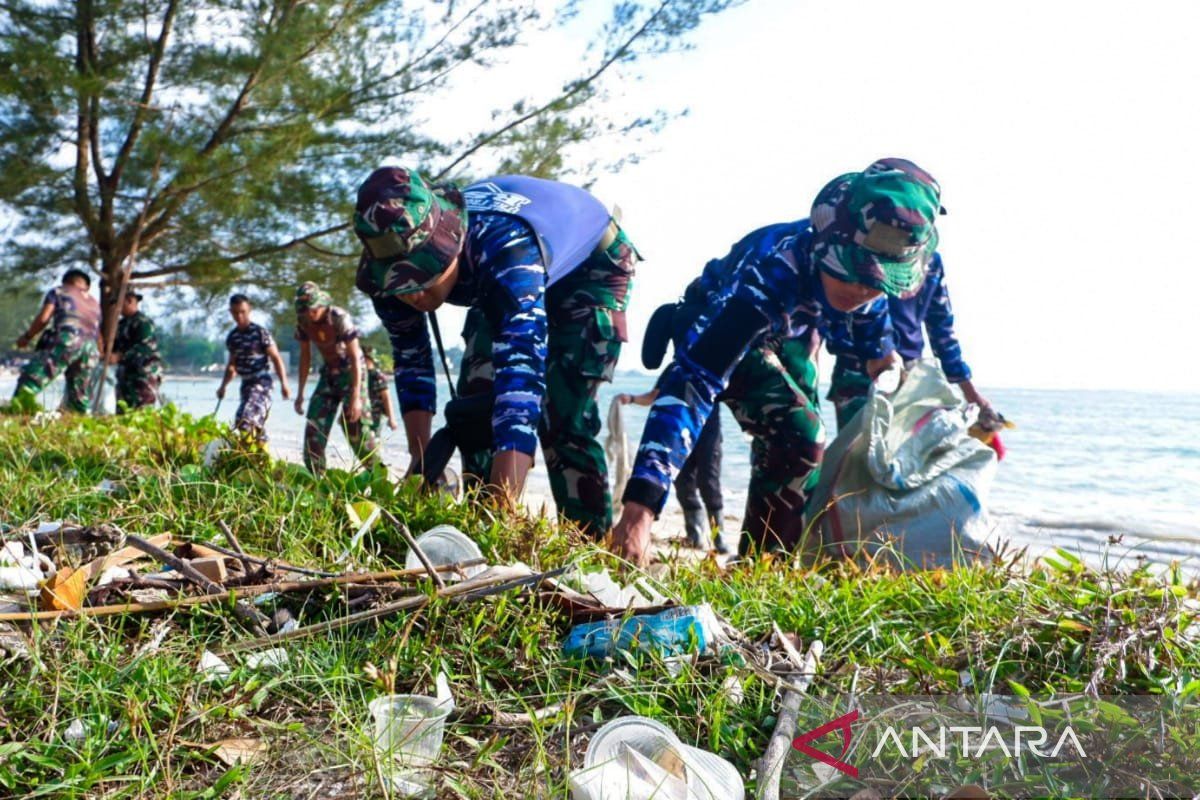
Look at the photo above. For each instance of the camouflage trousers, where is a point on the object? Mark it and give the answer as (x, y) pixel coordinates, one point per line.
(333, 393)
(252, 411)
(773, 396)
(138, 384)
(69, 351)
(586, 327)
(848, 389)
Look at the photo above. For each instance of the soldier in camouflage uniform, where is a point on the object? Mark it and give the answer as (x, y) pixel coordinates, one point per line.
(341, 384)
(928, 309)
(252, 351)
(546, 273)
(752, 337)
(381, 398)
(135, 352)
(70, 343)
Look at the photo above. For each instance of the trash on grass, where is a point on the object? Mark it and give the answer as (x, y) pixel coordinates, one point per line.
(408, 738)
(212, 668)
(443, 545)
(636, 758)
(669, 633)
(275, 658)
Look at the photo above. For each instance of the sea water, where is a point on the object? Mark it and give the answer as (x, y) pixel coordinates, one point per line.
(1105, 474)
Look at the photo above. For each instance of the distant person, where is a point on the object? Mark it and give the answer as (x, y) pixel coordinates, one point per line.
(870, 233)
(698, 484)
(926, 311)
(70, 343)
(381, 398)
(252, 352)
(340, 386)
(135, 352)
(546, 273)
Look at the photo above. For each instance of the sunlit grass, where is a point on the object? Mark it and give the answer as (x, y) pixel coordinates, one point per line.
(148, 714)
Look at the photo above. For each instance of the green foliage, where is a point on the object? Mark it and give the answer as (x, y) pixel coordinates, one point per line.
(1058, 627)
(221, 139)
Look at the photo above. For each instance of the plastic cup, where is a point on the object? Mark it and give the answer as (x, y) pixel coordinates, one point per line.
(408, 739)
(446, 544)
(708, 775)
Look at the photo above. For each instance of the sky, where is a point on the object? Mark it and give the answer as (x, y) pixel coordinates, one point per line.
(1065, 136)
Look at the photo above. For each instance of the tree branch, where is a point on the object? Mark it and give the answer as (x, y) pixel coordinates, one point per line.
(83, 202)
(143, 107)
(258, 252)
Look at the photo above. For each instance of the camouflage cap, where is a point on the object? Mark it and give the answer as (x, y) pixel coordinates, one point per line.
(410, 231)
(876, 227)
(309, 295)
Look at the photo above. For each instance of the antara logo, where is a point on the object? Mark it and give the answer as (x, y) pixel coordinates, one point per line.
(843, 724)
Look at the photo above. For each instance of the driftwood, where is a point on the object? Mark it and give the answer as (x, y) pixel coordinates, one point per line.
(770, 767)
(281, 587)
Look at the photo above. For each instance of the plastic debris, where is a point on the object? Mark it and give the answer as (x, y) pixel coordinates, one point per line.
(275, 658)
(611, 594)
(635, 758)
(212, 668)
(446, 544)
(669, 633)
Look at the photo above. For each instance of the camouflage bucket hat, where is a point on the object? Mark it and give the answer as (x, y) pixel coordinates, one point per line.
(309, 295)
(877, 227)
(410, 231)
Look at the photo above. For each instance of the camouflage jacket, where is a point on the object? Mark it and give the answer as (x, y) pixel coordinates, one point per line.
(927, 311)
(767, 289)
(501, 272)
(136, 341)
(248, 349)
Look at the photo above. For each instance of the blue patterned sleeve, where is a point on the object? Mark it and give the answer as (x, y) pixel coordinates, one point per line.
(760, 301)
(412, 355)
(519, 347)
(939, 324)
(871, 331)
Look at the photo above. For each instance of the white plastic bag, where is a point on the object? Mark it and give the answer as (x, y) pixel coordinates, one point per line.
(906, 469)
(616, 447)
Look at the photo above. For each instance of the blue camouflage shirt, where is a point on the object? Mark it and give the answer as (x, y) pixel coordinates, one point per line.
(767, 287)
(500, 271)
(928, 310)
(248, 349)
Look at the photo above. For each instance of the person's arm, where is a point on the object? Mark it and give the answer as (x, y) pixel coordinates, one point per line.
(354, 406)
(643, 399)
(37, 326)
(230, 371)
(302, 374)
(390, 407)
(939, 326)
(277, 362)
(412, 359)
(687, 396)
(872, 338)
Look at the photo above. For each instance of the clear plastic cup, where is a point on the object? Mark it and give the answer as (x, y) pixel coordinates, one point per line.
(709, 776)
(408, 739)
(446, 544)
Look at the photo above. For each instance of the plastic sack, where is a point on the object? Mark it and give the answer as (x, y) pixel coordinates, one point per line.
(905, 469)
(616, 447)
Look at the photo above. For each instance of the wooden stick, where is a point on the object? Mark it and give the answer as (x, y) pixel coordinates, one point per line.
(246, 614)
(243, 591)
(235, 544)
(264, 562)
(770, 767)
(416, 548)
(473, 589)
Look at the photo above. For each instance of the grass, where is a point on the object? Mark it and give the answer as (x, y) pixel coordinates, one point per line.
(148, 714)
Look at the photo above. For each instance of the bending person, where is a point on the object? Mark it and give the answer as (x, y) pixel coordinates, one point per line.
(870, 233)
